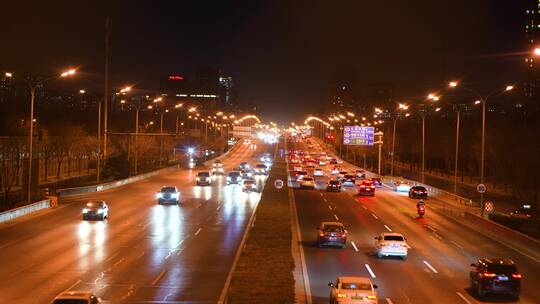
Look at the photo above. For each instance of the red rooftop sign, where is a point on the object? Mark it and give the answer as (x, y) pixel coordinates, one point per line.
(175, 77)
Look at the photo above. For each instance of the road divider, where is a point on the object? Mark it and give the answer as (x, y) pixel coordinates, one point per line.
(24, 210)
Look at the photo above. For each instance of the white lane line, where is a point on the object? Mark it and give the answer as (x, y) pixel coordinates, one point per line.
(463, 298)
(119, 261)
(320, 193)
(370, 271)
(354, 246)
(73, 286)
(219, 207)
(198, 231)
(457, 245)
(430, 267)
(364, 207)
(437, 235)
(112, 256)
(387, 228)
(325, 200)
(329, 207)
(159, 277)
(389, 301)
(337, 218)
(431, 228)
(373, 214)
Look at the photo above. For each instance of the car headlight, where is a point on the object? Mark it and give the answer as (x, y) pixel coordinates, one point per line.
(159, 195)
(100, 211)
(228, 178)
(197, 178)
(174, 195)
(85, 210)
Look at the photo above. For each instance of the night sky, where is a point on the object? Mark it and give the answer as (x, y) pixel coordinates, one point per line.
(282, 54)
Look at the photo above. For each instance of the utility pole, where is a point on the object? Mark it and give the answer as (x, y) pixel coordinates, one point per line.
(456, 158)
(379, 142)
(106, 86)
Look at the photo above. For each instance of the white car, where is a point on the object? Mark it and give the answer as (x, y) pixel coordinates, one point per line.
(353, 290)
(318, 172)
(334, 171)
(297, 168)
(360, 174)
(97, 210)
(402, 186)
(322, 162)
(82, 297)
(391, 244)
(307, 182)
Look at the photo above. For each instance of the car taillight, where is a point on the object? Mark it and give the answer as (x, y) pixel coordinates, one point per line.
(384, 244)
(341, 295)
(372, 187)
(372, 297)
(362, 186)
(516, 276)
(321, 234)
(487, 275)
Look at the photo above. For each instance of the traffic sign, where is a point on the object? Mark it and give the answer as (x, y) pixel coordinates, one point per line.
(278, 184)
(358, 135)
(481, 188)
(488, 207)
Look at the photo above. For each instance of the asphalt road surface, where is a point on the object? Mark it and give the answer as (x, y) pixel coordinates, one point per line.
(441, 250)
(145, 253)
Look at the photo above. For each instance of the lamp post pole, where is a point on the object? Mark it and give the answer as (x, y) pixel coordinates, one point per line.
(30, 141)
(456, 157)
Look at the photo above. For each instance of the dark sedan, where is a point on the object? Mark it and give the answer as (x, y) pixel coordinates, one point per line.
(418, 192)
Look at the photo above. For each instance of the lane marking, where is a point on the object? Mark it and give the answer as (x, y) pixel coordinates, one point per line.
(430, 267)
(370, 271)
(457, 245)
(118, 263)
(159, 277)
(389, 301)
(198, 231)
(364, 207)
(219, 207)
(329, 207)
(431, 228)
(387, 228)
(337, 218)
(320, 193)
(112, 256)
(73, 286)
(354, 246)
(408, 246)
(373, 214)
(325, 200)
(437, 235)
(463, 298)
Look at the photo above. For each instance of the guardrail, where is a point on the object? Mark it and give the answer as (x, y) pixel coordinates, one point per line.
(24, 210)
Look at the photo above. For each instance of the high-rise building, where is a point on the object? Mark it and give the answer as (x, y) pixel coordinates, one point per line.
(226, 87)
(532, 34)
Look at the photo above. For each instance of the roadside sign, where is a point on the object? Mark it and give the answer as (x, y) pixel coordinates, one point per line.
(358, 135)
(481, 188)
(278, 184)
(488, 207)
(54, 201)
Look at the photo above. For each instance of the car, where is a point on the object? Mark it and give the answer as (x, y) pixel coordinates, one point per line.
(76, 297)
(95, 210)
(524, 212)
(366, 188)
(331, 234)
(168, 194)
(234, 177)
(335, 170)
(391, 244)
(353, 290)
(310, 165)
(246, 173)
(217, 168)
(402, 186)
(318, 172)
(360, 174)
(377, 181)
(203, 178)
(249, 185)
(260, 169)
(333, 185)
(418, 192)
(247, 141)
(322, 162)
(244, 165)
(300, 175)
(307, 182)
(298, 168)
(333, 161)
(495, 276)
(253, 147)
(342, 174)
(348, 179)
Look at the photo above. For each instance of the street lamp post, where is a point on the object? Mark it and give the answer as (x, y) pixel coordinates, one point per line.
(401, 106)
(33, 84)
(483, 100)
(98, 165)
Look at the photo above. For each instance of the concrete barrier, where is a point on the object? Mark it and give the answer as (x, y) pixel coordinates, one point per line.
(24, 210)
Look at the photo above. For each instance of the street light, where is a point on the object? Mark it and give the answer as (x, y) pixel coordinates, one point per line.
(483, 100)
(536, 51)
(33, 84)
(401, 107)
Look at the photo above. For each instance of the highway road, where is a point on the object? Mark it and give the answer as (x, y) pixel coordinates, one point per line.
(145, 253)
(440, 252)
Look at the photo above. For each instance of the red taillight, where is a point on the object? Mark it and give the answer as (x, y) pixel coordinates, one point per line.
(321, 234)
(421, 208)
(372, 187)
(487, 275)
(362, 186)
(516, 276)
